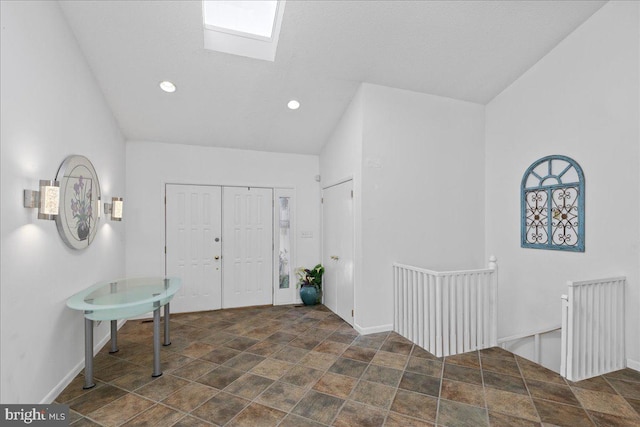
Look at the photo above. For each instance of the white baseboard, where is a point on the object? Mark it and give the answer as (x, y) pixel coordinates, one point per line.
(59, 388)
(633, 364)
(372, 329)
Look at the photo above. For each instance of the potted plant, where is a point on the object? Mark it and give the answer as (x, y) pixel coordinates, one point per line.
(310, 284)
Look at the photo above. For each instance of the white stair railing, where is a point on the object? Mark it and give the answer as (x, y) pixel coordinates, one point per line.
(593, 329)
(447, 313)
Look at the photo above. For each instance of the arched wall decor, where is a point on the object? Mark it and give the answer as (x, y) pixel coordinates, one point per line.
(552, 205)
(77, 221)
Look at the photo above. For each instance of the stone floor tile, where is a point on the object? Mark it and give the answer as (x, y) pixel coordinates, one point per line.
(551, 391)
(319, 407)
(362, 354)
(425, 366)
(605, 403)
(248, 386)
(348, 367)
(497, 419)
(373, 394)
(462, 374)
(161, 387)
(336, 385)
(95, 399)
(561, 415)
(194, 370)
(390, 360)
(302, 376)
(461, 415)
(355, 414)
(383, 375)
(243, 361)
(504, 382)
(272, 368)
(121, 410)
(513, 404)
(470, 360)
(157, 416)
(281, 396)
(190, 397)
(420, 383)
(470, 394)
(397, 420)
(415, 405)
(317, 360)
(221, 408)
(220, 377)
(256, 415)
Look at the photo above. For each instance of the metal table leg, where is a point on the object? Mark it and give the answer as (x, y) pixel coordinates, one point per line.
(156, 341)
(88, 354)
(167, 338)
(114, 337)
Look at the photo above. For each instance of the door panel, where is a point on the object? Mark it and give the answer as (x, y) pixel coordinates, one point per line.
(337, 218)
(193, 223)
(248, 246)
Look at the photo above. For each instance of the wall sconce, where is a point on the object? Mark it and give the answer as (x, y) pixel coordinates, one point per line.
(114, 208)
(47, 199)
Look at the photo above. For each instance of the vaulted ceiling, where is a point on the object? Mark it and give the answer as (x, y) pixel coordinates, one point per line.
(467, 50)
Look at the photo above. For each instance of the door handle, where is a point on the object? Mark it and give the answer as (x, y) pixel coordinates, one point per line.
(217, 257)
(334, 257)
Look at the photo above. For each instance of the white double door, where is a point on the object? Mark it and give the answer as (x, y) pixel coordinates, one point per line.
(219, 240)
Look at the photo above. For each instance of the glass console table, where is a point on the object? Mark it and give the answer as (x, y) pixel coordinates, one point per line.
(121, 299)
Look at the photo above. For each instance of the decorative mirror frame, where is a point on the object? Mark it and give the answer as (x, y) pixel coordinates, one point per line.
(80, 196)
(552, 205)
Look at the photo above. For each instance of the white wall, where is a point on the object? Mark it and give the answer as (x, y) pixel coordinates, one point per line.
(418, 165)
(151, 165)
(581, 100)
(51, 107)
(422, 191)
(341, 159)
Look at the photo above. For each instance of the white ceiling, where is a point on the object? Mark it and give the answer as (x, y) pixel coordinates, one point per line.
(468, 50)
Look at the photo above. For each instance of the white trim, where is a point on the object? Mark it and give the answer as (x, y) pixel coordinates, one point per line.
(338, 182)
(528, 335)
(633, 364)
(372, 329)
(64, 382)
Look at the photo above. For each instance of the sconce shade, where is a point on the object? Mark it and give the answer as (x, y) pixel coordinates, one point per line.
(46, 199)
(114, 208)
(49, 199)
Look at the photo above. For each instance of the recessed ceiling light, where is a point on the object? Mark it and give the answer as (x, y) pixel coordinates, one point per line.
(167, 86)
(293, 104)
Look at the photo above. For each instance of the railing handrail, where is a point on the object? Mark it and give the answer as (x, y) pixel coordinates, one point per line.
(442, 273)
(528, 335)
(594, 281)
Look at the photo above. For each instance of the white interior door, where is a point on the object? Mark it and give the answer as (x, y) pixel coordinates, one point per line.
(337, 226)
(248, 246)
(193, 245)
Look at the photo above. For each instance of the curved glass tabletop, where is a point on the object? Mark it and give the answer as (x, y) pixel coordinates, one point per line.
(124, 298)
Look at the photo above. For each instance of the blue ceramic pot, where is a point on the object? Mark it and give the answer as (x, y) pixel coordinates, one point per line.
(309, 295)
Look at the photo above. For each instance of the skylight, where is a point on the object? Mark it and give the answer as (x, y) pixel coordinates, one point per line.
(252, 18)
(246, 28)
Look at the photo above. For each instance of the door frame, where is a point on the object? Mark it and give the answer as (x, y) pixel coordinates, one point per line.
(289, 192)
(353, 236)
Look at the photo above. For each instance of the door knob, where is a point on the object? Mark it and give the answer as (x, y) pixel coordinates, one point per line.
(334, 257)
(216, 257)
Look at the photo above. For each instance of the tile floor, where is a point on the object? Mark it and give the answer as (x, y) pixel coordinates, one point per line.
(303, 366)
